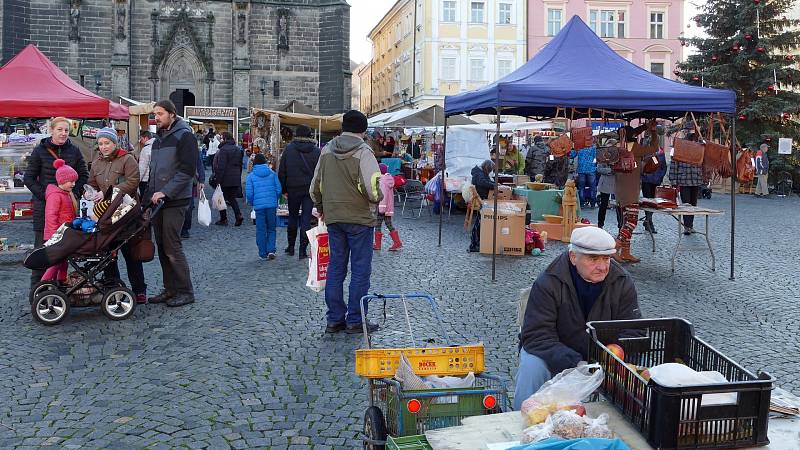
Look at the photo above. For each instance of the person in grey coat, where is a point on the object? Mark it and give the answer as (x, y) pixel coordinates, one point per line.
(762, 171)
(536, 158)
(581, 285)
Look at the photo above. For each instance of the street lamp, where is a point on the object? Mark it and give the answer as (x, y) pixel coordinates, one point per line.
(97, 82)
(406, 101)
(263, 90)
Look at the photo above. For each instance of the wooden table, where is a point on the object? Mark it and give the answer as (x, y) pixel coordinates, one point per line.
(477, 433)
(678, 214)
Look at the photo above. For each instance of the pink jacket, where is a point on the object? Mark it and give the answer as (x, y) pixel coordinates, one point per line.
(60, 206)
(386, 183)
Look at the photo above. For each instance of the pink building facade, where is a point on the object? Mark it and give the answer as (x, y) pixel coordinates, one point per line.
(643, 31)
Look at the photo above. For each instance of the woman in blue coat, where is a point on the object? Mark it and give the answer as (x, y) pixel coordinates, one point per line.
(262, 191)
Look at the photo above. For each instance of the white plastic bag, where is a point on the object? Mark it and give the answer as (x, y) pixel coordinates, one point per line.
(203, 210)
(466, 191)
(440, 382)
(563, 390)
(218, 199)
(253, 214)
(320, 256)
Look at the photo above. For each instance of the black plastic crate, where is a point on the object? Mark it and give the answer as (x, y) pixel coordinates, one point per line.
(673, 417)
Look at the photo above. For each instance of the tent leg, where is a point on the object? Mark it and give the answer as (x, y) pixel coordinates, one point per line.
(441, 185)
(733, 189)
(496, 192)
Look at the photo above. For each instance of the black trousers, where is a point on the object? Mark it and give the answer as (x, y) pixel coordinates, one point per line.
(143, 190)
(174, 266)
(38, 241)
(649, 191)
(689, 194)
(135, 271)
(230, 193)
(601, 213)
(187, 219)
(298, 200)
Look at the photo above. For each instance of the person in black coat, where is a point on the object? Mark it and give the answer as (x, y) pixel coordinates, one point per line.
(295, 171)
(483, 184)
(227, 169)
(41, 172)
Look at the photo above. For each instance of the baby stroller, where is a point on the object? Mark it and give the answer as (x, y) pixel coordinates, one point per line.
(89, 253)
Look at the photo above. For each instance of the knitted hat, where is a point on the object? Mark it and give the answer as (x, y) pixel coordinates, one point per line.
(100, 208)
(384, 168)
(108, 133)
(354, 121)
(64, 173)
(259, 159)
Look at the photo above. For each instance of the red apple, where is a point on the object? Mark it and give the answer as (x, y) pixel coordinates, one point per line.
(617, 350)
(645, 374)
(580, 410)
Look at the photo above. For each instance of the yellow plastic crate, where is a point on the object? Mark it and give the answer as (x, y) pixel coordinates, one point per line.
(383, 363)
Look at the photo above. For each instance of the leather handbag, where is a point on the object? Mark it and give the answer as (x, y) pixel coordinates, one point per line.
(689, 152)
(581, 137)
(651, 164)
(667, 193)
(560, 146)
(717, 160)
(626, 163)
(745, 171)
(141, 245)
(608, 155)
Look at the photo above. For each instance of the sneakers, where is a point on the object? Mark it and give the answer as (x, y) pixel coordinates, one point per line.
(180, 300)
(271, 256)
(141, 299)
(161, 298)
(358, 329)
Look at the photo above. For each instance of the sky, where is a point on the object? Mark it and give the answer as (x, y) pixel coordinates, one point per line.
(365, 14)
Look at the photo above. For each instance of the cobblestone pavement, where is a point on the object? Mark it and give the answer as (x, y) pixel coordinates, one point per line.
(248, 365)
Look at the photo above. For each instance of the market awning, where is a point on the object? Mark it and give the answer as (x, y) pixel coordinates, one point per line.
(295, 106)
(32, 86)
(420, 117)
(326, 124)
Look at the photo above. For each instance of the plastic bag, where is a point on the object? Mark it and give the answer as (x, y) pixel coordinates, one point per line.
(203, 210)
(466, 192)
(218, 199)
(566, 388)
(320, 256)
(407, 378)
(598, 428)
(439, 382)
(568, 425)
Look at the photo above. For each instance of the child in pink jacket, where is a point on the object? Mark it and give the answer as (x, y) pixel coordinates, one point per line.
(60, 207)
(386, 211)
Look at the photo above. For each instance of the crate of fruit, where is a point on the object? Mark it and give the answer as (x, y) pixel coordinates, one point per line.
(712, 415)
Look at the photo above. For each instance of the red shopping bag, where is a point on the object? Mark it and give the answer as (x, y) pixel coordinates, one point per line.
(320, 257)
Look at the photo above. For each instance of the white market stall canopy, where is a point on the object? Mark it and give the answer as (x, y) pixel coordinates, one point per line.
(422, 117)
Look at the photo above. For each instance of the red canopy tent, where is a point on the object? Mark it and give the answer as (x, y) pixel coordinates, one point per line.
(32, 86)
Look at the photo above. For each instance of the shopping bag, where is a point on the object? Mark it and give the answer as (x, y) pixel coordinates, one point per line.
(218, 200)
(203, 210)
(320, 257)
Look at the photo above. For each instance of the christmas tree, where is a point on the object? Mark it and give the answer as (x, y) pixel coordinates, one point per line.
(751, 48)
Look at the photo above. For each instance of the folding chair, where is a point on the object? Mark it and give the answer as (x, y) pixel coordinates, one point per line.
(414, 191)
(473, 205)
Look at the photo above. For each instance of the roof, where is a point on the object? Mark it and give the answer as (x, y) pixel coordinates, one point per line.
(578, 70)
(422, 117)
(32, 86)
(326, 124)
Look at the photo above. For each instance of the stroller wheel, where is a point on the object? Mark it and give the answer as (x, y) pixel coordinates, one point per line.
(50, 307)
(48, 285)
(118, 303)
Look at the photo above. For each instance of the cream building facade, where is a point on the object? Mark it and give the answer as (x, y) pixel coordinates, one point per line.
(424, 50)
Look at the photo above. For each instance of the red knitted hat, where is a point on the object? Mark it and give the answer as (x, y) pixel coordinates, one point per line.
(64, 173)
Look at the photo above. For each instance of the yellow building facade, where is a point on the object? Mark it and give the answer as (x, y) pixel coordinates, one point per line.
(424, 50)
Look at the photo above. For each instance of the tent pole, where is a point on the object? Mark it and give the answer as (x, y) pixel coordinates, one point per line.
(444, 169)
(496, 193)
(733, 189)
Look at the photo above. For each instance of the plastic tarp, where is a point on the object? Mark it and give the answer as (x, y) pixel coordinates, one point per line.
(578, 70)
(327, 124)
(466, 148)
(32, 86)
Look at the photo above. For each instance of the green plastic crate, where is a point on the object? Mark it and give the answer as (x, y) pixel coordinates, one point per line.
(439, 412)
(408, 443)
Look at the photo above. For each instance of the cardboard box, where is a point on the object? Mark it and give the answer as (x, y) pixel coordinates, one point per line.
(510, 227)
(520, 180)
(553, 229)
(504, 193)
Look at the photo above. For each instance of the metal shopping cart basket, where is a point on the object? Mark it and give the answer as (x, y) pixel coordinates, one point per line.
(396, 412)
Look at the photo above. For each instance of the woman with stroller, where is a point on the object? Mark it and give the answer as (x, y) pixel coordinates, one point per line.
(114, 167)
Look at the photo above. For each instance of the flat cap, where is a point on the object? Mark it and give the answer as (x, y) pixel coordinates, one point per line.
(592, 241)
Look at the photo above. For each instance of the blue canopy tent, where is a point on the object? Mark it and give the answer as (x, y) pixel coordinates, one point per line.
(578, 70)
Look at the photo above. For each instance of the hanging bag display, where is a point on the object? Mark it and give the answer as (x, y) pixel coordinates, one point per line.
(745, 170)
(560, 146)
(689, 152)
(717, 158)
(581, 137)
(627, 161)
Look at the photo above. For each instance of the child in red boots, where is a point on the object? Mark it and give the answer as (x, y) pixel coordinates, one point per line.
(60, 207)
(386, 211)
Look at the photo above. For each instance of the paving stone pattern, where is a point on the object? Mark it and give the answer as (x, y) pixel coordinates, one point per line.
(247, 365)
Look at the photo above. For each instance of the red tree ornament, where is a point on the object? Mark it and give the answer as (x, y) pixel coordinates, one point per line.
(756, 1)
(748, 37)
(695, 78)
(714, 58)
(771, 87)
(742, 117)
(760, 49)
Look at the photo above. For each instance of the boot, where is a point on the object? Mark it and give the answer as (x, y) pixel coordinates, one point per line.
(239, 221)
(625, 254)
(291, 235)
(378, 238)
(223, 218)
(616, 256)
(396, 244)
(303, 252)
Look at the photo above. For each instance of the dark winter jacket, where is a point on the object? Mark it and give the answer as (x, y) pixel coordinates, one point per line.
(556, 171)
(554, 327)
(40, 172)
(173, 164)
(483, 184)
(228, 165)
(262, 188)
(537, 159)
(296, 168)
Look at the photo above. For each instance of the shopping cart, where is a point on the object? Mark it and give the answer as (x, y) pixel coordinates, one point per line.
(398, 412)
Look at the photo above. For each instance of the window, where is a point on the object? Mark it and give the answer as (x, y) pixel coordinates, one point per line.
(504, 13)
(504, 67)
(657, 68)
(656, 25)
(607, 23)
(553, 21)
(477, 69)
(449, 68)
(476, 12)
(448, 11)
(276, 88)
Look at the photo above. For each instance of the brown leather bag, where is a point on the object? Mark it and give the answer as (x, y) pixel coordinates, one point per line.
(745, 171)
(650, 164)
(141, 246)
(626, 163)
(667, 193)
(581, 137)
(560, 146)
(689, 152)
(717, 160)
(608, 155)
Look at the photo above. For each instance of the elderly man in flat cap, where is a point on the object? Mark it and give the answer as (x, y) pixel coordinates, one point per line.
(581, 285)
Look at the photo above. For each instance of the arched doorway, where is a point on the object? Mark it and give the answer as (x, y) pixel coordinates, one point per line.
(181, 98)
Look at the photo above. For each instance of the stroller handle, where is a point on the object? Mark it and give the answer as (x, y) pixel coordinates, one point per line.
(418, 296)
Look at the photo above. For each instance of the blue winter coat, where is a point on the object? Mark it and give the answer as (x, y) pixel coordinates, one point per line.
(263, 188)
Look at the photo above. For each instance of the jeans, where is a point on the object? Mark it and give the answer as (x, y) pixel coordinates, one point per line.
(351, 242)
(135, 271)
(266, 221)
(475, 235)
(230, 193)
(531, 375)
(587, 181)
(174, 266)
(298, 200)
(689, 195)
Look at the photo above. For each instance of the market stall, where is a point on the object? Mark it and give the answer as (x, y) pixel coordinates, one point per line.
(271, 130)
(548, 86)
